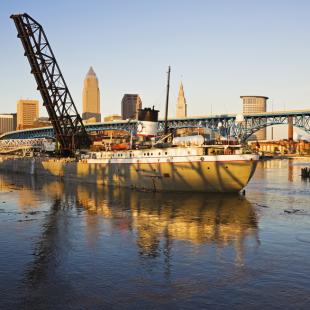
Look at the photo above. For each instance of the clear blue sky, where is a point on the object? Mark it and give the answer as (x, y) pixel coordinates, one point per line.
(219, 49)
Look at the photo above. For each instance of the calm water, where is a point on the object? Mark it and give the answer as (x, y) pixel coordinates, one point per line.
(75, 246)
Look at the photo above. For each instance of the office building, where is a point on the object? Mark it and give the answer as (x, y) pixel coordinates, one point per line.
(6, 123)
(14, 120)
(181, 104)
(91, 97)
(27, 113)
(131, 103)
(255, 104)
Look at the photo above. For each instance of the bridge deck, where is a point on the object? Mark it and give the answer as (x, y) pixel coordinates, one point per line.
(253, 121)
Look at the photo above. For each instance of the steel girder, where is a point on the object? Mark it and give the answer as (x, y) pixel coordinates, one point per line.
(24, 142)
(13, 145)
(254, 124)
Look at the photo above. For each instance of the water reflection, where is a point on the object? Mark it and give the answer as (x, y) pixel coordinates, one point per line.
(46, 248)
(279, 166)
(157, 219)
(162, 218)
(73, 246)
(76, 216)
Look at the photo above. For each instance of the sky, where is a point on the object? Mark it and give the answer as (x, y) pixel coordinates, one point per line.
(219, 49)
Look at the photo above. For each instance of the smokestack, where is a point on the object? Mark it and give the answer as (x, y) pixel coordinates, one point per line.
(147, 122)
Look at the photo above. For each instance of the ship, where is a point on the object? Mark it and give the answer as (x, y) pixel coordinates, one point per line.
(204, 168)
(149, 161)
(197, 163)
(163, 161)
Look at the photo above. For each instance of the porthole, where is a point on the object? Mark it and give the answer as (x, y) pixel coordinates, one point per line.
(166, 153)
(159, 153)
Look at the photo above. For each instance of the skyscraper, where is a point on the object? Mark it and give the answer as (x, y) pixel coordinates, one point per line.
(27, 112)
(181, 103)
(255, 104)
(91, 96)
(131, 103)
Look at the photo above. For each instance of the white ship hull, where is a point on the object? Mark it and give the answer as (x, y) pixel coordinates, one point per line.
(152, 172)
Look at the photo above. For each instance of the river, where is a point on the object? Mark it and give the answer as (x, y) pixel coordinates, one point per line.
(77, 246)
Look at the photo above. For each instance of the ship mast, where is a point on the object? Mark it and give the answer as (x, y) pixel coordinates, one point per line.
(167, 102)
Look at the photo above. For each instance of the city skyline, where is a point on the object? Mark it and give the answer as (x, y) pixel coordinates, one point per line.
(218, 50)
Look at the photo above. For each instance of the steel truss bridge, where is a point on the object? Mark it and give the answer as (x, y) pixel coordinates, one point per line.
(8, 146)
(226, 125)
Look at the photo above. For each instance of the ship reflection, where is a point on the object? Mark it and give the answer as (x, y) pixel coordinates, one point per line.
(160, 219)
(156, 220)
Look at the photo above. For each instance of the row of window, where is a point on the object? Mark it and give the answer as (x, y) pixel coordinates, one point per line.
(131, 155)
(125, 155)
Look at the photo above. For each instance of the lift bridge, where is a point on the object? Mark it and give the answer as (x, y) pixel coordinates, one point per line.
(228, 125)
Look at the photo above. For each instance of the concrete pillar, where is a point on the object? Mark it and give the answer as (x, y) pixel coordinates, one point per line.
(290, 128)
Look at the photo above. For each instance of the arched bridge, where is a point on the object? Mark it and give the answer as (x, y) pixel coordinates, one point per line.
(226, 124)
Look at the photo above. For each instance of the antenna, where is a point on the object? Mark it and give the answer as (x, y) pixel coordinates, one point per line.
(167, 101)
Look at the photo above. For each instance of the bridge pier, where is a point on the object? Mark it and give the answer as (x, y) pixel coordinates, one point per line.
(290, 130)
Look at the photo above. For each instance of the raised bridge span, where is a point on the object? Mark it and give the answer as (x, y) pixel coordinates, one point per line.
(226, 124)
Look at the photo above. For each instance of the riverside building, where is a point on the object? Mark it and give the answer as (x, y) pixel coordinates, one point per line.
(91, 97)
(6, 123)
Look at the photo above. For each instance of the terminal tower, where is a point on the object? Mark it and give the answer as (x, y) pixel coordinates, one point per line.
(91, 98)
(181, 104)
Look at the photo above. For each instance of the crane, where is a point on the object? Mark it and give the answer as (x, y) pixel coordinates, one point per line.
(63, 114)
